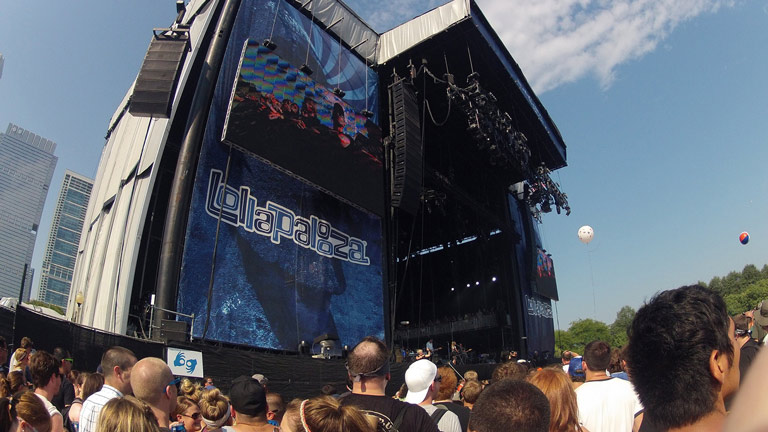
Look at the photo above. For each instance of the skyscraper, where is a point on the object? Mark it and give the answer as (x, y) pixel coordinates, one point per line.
(26, 167)
(64, 238)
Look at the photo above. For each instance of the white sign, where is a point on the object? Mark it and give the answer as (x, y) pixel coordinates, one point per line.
(185, 362)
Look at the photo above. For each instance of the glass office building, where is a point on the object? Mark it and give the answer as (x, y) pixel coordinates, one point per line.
(64, 238)
(26, 167)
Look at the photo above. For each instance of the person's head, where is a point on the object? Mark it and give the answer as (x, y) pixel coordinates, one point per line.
(92, 383)
(369, 362)
(3, 350)
(742, 323)
(275, 407)
(188, 413)
(152, 382)
(249, 400)
(448, 383)
(616, 364)
(27, 344)
(423, 382)
(45, 372)
(21, 356)
(127, 414)
(325, 414)
(557, 387)
(509, 369)
(116, 364)
(16, 381)
(26, 411)
(338, 118)
(682, 356)
(597, 356)
(208, 381)
(471, 375)
(510, 404)
(190, 389)
(215, 409)
(471, 392)
(566, 357)
(64, 358)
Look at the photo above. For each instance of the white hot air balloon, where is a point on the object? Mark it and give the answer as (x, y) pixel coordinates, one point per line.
(586, 234)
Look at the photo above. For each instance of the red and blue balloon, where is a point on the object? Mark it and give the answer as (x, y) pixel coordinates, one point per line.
(744, 238)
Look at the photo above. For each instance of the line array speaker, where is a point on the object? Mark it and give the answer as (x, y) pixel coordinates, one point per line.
(408, 149)
(159, 74)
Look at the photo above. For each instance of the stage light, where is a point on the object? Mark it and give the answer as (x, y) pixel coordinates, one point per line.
(339, 92)
(270, 45)
(452, 289)
(306, 69)
(493, 279)
(477, 283)
(303, 348)
(468, 285)
(367, 113)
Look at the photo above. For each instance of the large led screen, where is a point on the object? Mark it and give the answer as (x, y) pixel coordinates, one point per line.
(282, 256)
(284, 117)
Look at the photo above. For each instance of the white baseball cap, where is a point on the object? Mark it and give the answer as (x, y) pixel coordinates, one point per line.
(418, 378)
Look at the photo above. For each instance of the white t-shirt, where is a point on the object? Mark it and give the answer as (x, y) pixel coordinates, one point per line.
(52, 411)
(449, 422)
(609, 405)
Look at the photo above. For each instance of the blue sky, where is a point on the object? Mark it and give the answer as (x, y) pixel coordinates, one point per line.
(662, 106)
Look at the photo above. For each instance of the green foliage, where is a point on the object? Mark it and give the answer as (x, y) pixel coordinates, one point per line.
(57, 308)
(748, 298)
(585, 331)
(620, 326)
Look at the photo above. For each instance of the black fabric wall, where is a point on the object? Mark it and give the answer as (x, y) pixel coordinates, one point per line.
(289, 374)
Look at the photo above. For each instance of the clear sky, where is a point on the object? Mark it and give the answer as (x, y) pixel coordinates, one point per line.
(662, 106)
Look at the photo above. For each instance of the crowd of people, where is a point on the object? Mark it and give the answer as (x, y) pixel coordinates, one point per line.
(681, 371)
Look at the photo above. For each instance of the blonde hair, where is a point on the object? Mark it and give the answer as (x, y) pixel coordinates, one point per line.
(190, 390)
(470, 375)
(213, 407)
(557, 387)
(127, 414)
(26, 406)
(326, 414)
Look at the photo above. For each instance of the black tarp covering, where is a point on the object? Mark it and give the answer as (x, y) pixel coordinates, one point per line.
(288, 374)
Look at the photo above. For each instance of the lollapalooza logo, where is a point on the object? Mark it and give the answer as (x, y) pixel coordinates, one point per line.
(538, 308)
(237, 207)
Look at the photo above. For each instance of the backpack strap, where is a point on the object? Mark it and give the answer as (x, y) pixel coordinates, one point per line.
(398, 420)
(438, 413)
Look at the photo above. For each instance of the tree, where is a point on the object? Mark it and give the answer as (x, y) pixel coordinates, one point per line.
(587, 330)
(716, 285)
(563, 342)
(748, 298)
(620, 327)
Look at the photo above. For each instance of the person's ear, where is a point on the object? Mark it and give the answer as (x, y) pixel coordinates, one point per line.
(718, 365)
(179, 417)
(270, 415)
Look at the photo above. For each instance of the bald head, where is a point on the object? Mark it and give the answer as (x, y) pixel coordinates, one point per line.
(149, 378)
(368, 357)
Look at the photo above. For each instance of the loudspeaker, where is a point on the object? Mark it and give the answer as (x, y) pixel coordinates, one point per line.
(406, 166)
(171, 330)
(156, 84)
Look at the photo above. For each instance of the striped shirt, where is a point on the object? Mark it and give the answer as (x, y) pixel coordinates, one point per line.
(89, 414)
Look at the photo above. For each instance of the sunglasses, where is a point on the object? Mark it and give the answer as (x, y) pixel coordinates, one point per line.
(175, 383)
(194, 416)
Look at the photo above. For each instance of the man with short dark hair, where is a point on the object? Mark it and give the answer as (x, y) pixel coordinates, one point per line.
(116, 364)
(510, 405)
(249, 403)
(66, 393)
(45, 375)
(606, 404)
(368, 368)
(152, 382)
(684, 359)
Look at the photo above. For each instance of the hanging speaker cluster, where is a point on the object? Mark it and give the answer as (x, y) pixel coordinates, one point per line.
(406, 174)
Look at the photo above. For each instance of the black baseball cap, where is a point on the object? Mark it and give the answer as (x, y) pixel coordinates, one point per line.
(248, 396)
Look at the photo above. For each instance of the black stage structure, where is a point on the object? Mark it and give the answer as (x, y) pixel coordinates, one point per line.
(466, 153)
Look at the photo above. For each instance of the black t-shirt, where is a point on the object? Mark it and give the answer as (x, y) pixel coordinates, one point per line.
(386, 409)
(461, 412)
(65, 396)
